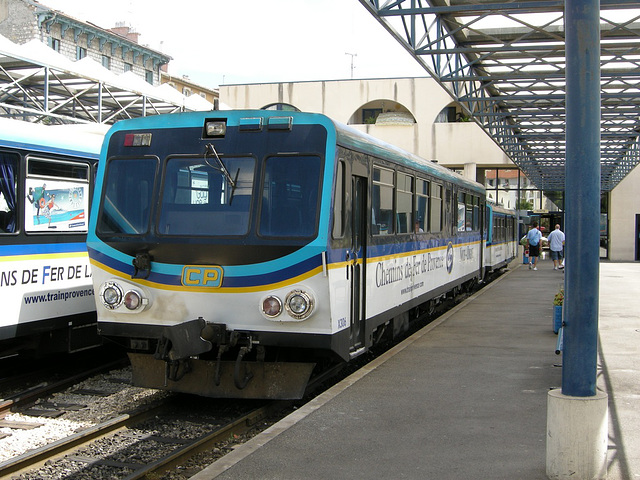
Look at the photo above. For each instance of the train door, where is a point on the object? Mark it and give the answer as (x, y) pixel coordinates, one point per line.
(358, 262)
(637, 237)
(479, 206)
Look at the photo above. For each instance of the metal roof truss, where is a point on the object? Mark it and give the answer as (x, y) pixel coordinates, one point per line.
(504, 62)
(45, 94)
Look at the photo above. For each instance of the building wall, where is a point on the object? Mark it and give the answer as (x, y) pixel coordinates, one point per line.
(188, 88)
(17, 21)
(450, 144)
(624, 206)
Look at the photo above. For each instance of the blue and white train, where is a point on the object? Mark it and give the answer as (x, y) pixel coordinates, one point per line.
(233, 251)
(46, 181)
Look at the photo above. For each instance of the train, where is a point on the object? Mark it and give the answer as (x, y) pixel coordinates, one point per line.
(234, 253)
(46, 183)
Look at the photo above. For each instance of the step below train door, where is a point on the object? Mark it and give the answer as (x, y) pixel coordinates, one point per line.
(358, 263)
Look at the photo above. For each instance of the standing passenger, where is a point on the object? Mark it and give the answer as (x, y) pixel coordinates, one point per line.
(533, 239)
(556, 244)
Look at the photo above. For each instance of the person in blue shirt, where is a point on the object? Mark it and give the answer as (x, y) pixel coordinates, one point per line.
(533, 242)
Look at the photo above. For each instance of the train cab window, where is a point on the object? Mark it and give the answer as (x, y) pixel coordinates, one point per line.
(8, 187)
(404, 210)
(422, 206)
(435, 224)
(289, 205)
(338, 202)
(382, 202)
(200, 198)
(128, 188)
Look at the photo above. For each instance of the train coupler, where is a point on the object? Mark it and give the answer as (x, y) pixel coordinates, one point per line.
(182, 341)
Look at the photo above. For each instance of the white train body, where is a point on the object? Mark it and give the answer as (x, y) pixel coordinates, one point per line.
(232, 251)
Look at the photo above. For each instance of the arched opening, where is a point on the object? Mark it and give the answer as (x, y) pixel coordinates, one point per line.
(382, 112)
(285, 107)
(452, 113)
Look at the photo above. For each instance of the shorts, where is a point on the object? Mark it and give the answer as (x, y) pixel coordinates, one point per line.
(556, 255)
(534, 250)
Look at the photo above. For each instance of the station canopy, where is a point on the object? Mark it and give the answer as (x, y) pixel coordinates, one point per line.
(504, 63)
(42, 86)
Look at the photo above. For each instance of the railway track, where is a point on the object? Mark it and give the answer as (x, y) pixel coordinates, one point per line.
(150, 440)
(164, 435)
(46, 388)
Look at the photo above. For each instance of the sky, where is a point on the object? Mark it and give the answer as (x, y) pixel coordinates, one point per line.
(217, 42)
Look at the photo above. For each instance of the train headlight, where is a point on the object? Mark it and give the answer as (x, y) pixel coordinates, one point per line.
(115, 295)
(111, 294)
(132, 300)
(271, 306)
(299, 304)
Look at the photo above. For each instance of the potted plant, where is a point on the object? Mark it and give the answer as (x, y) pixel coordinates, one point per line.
(558, 300)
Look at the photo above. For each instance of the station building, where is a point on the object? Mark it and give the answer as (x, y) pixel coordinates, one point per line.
(418, 115)
(116, 49)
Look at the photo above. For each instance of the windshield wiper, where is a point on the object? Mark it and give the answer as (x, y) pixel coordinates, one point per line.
(221, 168)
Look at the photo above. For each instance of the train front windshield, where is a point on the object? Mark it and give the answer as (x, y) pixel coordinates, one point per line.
(212, 196)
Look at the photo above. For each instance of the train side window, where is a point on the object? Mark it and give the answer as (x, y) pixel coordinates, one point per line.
(468, 217)
(382, 202)
(338, 202)
(404, 208)
(8, 188)
(462, 212)
(422, 206)
(57, 169)
(57, 195)
(436, 208)
(476, 214)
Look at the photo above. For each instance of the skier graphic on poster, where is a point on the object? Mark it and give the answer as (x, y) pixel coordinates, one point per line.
(56, 205)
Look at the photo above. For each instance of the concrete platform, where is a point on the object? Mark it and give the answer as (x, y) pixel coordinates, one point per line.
(464, 398)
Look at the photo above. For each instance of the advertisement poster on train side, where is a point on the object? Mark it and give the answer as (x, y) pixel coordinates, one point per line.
(56, 206)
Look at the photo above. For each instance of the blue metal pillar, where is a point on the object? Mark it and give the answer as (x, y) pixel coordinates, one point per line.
(582, 197)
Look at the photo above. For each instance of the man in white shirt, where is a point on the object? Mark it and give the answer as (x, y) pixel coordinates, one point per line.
(556, 245)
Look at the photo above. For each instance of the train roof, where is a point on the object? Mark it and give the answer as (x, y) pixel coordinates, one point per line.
(345, 135)
(82, 140)
(500, 208)
(350, 137)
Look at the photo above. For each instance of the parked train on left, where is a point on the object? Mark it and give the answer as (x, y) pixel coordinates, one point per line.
(46, 181)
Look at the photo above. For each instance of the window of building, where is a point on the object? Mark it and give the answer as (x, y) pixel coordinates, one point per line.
(128, 67)
(55, 44)
(148, 76)
(186, 91)
(370, 115)
(81, 52)
(106, 62)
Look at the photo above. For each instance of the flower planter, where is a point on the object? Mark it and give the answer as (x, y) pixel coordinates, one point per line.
(557, 318)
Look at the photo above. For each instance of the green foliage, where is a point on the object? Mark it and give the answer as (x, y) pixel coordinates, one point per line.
(559, 298)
